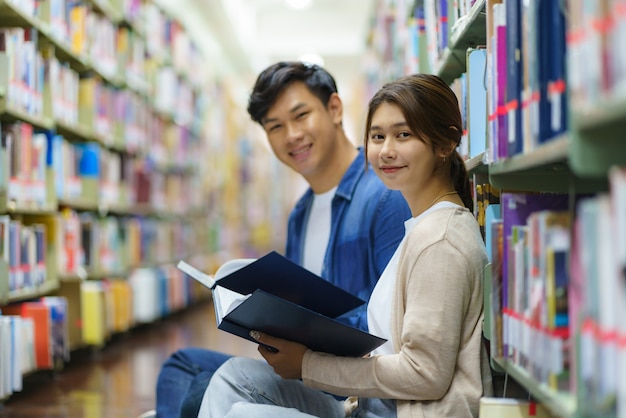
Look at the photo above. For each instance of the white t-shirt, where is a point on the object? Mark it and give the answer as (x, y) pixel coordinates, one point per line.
(378, 308)
(318, 231)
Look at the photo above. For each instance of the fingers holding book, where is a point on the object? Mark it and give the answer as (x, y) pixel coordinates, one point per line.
(284, 356)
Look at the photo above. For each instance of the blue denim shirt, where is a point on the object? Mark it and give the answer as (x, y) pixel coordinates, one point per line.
(367, 225)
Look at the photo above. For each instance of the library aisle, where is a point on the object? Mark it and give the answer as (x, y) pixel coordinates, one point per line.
(119, 380)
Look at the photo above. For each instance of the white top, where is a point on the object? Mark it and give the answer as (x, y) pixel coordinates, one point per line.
(318, 231)
(378, 308)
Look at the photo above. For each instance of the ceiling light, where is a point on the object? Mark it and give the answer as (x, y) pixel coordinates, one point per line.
(299, 4)
(312, 59)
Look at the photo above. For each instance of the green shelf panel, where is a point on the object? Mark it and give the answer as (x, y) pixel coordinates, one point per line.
(75, 132)
(23, 294)
(468, 34)
(80, 204)
(65, 278)
(545, 169)
(109, 10)
(101, 274)
(8, 113)
(49, 286)
(19, 208)
(599, 140)
(477, 164)
(560, 404)
(10, 15)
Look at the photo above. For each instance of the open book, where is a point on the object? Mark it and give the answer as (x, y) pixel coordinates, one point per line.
(276, 296)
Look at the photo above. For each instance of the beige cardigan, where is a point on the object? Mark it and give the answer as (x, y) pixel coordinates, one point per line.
(440, 368)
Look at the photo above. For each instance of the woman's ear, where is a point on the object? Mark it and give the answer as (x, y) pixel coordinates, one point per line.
(445, 153)
(458, 134)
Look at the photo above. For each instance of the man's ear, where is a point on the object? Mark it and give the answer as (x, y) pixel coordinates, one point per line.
(335, 107)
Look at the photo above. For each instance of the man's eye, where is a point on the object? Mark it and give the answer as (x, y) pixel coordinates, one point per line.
(273, 128)
(301, 115)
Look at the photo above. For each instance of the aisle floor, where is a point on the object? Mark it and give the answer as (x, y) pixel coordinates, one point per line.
(119, 379)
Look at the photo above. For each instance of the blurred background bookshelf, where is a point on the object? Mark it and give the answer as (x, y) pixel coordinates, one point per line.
(114, 166)
(119, 157)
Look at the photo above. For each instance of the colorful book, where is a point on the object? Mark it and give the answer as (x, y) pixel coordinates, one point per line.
(476, 101)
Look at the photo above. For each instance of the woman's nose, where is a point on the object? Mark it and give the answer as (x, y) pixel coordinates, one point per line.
(388, 149)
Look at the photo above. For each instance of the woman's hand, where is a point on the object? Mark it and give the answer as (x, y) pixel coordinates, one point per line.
(287, 357)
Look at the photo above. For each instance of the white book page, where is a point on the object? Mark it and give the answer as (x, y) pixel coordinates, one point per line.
(205, 279)
(232, 266)
(225, 300)
(209, 280)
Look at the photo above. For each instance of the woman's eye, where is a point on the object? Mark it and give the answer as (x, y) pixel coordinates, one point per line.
(377, 138)
(404, 134)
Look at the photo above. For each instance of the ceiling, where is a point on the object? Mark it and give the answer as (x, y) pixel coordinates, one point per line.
(243, 36)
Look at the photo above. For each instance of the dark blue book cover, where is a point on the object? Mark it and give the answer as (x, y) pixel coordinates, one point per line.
(514, 76)
(275, 316)
(551, 47)
(276, 296)
(544, 37)
(276, 274)
(556, 76)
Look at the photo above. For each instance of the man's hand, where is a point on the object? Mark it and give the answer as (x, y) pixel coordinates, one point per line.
(286, 359)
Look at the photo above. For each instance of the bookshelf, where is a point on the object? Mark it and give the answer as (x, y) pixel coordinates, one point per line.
(574, 162)
(147, 161)
(547, 168)
(103, 144)
(559, 403)
(468, 32)
(598, 142)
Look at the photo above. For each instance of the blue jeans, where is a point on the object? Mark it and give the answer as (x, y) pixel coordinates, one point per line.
(249, 388)
(183, 380)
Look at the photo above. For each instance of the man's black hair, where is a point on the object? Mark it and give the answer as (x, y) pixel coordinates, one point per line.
(275, 78)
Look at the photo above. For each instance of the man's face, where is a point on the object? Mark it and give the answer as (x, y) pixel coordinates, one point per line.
(301, 131)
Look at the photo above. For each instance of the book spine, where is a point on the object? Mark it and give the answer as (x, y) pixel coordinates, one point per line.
(514, 77)
(501, 77)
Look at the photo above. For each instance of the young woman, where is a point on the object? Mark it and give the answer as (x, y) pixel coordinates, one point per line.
(428, 302)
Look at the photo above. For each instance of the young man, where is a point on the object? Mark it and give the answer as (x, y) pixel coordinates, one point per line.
(344, 228)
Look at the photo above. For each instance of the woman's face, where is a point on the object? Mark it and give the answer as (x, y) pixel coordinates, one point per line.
(401, 160)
